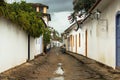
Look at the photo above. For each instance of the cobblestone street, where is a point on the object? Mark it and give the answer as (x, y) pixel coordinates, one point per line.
(73, 68)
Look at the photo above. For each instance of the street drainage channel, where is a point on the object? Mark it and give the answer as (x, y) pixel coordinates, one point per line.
(59, 72)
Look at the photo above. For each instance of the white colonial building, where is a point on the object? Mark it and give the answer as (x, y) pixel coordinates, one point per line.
(99, 34)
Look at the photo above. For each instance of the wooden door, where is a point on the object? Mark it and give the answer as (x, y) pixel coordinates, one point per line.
(76, 43)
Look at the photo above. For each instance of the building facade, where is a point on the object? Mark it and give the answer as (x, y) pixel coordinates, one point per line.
(99, 37)
(41, 8)
(17, 46)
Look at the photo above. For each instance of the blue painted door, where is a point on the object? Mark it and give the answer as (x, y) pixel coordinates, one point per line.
(118, 40)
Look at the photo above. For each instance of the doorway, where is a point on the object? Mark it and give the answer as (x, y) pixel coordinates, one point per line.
(118, 39)
(76, 43)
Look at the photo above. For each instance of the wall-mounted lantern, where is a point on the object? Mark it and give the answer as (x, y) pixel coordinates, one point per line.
(97, 14)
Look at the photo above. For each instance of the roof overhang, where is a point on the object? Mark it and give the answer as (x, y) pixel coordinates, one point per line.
(99, 5)
(47, 15)
(39, 5)
(72, 27)
(81, 21)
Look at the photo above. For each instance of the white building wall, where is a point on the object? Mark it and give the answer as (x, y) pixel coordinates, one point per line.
(39, 45)
(81, 48)
(32, 47)
(72, 48)
(57, 43)
(13, 45)
(110, 13)
(101, 36)
(101, 43)
(92, 41)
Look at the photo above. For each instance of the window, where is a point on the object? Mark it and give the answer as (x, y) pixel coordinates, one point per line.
(37, 9)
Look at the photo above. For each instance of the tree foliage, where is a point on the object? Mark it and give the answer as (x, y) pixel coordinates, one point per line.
(83, 5)
(56, 35)
(24, 15)
(46, 36)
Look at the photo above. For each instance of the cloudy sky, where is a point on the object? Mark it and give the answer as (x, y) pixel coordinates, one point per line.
(59, 10)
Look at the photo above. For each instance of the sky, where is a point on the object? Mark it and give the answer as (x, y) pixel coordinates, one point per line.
(59, 10)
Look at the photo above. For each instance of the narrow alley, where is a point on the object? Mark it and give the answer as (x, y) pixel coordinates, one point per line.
(56, 66)
(42, 40)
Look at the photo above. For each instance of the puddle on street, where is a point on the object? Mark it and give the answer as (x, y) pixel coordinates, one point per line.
(60, 72)
(58, 78)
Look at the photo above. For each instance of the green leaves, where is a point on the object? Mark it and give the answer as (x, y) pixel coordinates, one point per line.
(81, 5)
(24, 15)
(46, 36)
(2, 2)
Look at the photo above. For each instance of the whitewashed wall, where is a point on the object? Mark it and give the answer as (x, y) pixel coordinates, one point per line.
(101, 35)
(101, 41)
(110, 14)
(39, 45)
(71, 48)
(81, 48)
(92, 46)
(13, 45)
(32, 47)
(57, 43)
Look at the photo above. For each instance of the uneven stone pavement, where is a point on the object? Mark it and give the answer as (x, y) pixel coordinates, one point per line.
(44, 67)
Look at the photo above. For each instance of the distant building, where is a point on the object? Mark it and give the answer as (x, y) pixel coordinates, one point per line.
(43, 9)
(46, 18)
(56, 43)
